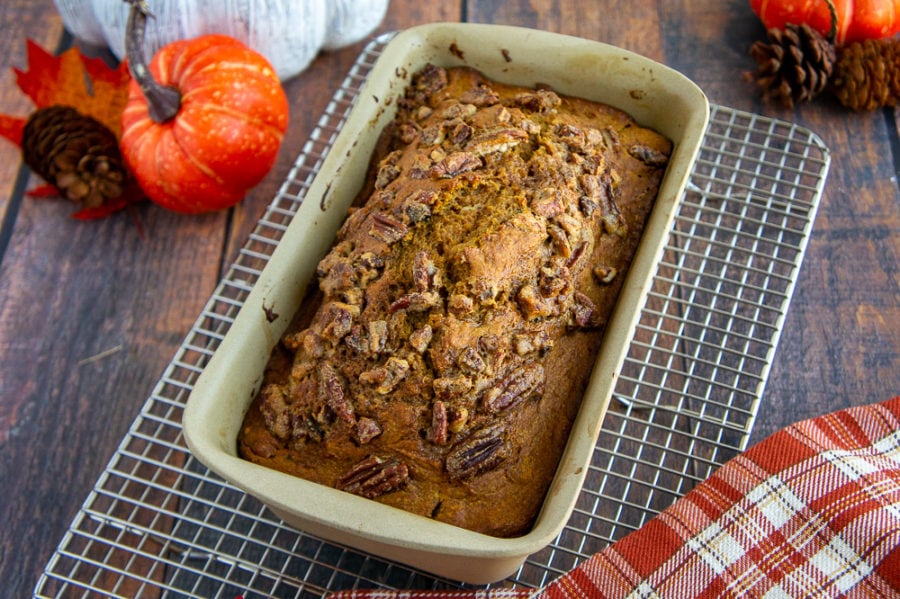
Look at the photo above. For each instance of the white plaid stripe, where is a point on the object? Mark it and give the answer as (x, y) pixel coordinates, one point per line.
(716, 547)
(853, 465)
(776, 592)
(643, 591)
(775, 500)
(840, 565)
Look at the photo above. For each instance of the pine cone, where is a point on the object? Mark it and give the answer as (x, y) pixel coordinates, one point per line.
(867, 74)
(794, 65)
(76, 153)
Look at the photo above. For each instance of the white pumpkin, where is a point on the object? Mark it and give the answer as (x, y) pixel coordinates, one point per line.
(287, 32)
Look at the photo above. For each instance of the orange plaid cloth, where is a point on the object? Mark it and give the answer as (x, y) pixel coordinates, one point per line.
(812, 511)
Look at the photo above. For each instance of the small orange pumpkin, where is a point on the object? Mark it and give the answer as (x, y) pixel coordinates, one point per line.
(856, 19)
(203, 124)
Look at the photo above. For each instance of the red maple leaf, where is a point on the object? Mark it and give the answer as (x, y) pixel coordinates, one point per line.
(87, 84)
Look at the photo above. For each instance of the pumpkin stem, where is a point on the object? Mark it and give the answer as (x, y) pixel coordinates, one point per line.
(832, 33)
(163, 101)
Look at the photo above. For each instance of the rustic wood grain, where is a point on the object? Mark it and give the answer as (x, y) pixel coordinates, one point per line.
(91, 313)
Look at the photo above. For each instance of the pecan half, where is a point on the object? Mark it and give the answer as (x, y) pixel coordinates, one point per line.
(387, 229)
(332, 393)
(584, 311)
(374, 476)
(648, 155)
(455, 164)
(523, 383)
(480, 452)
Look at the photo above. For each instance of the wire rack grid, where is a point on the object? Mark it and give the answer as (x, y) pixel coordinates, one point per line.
(158, 523)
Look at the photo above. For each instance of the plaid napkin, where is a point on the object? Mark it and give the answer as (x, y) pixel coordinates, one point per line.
(812, 511)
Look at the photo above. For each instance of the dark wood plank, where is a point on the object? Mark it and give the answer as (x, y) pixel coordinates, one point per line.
(33, 20)
(90, 314)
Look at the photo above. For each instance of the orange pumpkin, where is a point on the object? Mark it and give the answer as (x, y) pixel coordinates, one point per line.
(856, 19)
(204, 125)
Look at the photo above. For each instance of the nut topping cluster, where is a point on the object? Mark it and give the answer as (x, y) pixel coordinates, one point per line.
(479, 248)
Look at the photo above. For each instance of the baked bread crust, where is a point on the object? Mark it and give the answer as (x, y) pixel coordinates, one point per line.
(440, 363)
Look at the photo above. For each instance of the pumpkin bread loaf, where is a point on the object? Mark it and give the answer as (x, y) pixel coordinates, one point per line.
(440, 362)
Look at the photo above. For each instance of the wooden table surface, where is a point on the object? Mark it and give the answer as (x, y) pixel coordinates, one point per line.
(92, 312)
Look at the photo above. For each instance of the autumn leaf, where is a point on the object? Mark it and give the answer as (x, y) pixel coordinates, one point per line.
(86, 84)
(72, 79)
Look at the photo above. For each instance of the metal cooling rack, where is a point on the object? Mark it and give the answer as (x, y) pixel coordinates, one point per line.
(157, 523)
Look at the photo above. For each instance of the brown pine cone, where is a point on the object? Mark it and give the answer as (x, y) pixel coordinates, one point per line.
(76, 153)
(794, 65)
(867, 74)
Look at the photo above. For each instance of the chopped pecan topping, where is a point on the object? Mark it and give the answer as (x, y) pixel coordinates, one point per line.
(407, 132)
(331, 391)
(421, 338)
(548, 202)
(386, 174)
(423, 112)
(531, 303)
(526, 343)
(574, 137)
(455, 164)
(338, 320)
(432, 135)
(386, 377)
(481, 95)
(542, 100)
(560, 240)
(496, 140)
(446, 387)
(577, 253)
(555, 281)
(378, 335)
(457, 110)
(416, 212)
(425, 275)
(387, 229)
(470, 361)
(274, 408)
(457, 419)
(460, 305)
(604, 274)
(439, 424)
(459, 131)
(583, 311)
(430, 79)
(648, 155)
(374, 476)
(419, 301)
(308, 341)
(356, 340)
(481, 451)
(366, 430)
(521, 384)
